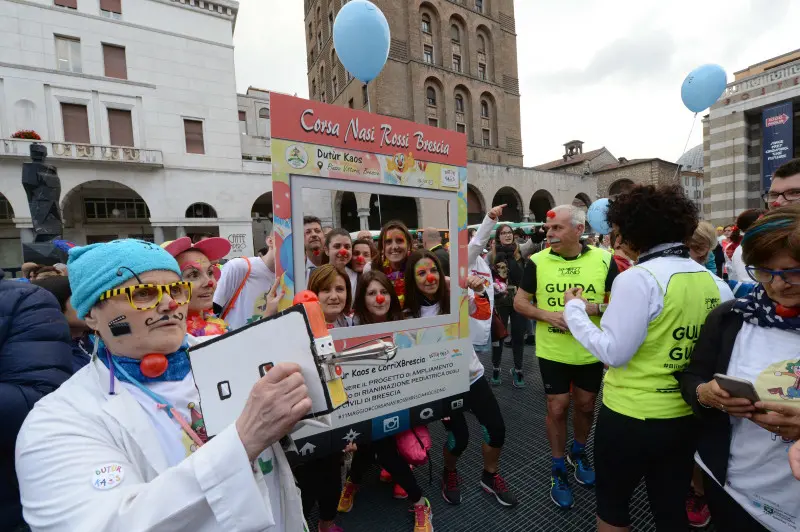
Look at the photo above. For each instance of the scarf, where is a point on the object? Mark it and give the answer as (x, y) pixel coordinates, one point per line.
(205, 324)
(758, 309)
(177, 369)
(396, 278)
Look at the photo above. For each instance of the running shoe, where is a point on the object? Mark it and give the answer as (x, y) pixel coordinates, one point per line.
(697, 510)
(496, 380)
(423, 517)
(496, 485)
(517, 379)
(451, 491)
(560, 492)
(584, 473)
(398, 492)
(348, 497)
(385, 476)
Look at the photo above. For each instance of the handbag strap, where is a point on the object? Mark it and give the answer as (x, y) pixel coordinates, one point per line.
(238, 292)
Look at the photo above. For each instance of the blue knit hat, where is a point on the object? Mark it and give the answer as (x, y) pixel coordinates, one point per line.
(99, 267)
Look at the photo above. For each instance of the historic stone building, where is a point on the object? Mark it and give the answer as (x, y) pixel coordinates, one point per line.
(452, 64)
(732, 134)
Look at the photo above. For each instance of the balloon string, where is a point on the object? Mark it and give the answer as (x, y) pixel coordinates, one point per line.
(686, 145)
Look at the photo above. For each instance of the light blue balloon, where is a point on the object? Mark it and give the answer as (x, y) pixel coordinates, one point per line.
(361, 37)
(703, 87)
(597, 216)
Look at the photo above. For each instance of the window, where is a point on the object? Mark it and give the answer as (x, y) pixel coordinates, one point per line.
(76, 123)
(313, 87)
(322, 97)
(459, 103)
(484, 109)
(457, 63)
(312, 55)
(263, 112)
(115, 208)
(114, 61)
(461, 128)
(481, 44)
(487, 137)
(6, 212)
(193, 132)
(243, 122)
(68, 54)
(111, 8)
(120, 127)
(430, 96)
(319, 40)
(364, 94)
(351, 104)
(455, 35)
(200, 210)
(335, 86)
(481, 70)
(72, 4)
(479, 6)
(330, 23)
(426, 23)
(310, 30)
(428, 54)
(433, 122)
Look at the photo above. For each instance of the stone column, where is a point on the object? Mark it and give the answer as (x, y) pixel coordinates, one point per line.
(26, 235)
(158, 234)
(180, 232)
(363, 218)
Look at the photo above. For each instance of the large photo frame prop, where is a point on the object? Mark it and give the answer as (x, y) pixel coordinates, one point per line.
(315, 145)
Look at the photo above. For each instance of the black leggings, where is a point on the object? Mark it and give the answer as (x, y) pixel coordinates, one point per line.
(518, 328)
(659, 450)
(385, 453)
(320, 481)
(482, 403)
(727, 514)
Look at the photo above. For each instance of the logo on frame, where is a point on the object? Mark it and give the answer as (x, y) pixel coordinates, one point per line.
(296, 156)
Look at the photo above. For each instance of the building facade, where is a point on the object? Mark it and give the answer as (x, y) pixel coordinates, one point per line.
(452, 64)
(136, 104)
(733, 132)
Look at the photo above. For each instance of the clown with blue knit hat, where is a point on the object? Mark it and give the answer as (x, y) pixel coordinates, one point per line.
(122, 444)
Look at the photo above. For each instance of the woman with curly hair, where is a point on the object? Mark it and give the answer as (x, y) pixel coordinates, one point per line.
(646, 334)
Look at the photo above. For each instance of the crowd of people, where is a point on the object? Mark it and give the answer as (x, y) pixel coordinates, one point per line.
(689, 332)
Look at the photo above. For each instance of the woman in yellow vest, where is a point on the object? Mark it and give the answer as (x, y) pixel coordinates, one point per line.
(645, 430)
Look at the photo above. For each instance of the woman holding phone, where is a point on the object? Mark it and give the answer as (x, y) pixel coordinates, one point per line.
(743, 445)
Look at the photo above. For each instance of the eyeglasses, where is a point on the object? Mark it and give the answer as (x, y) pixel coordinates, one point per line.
(148, 296)
(789, 195)
(765, 276)
(506, 233)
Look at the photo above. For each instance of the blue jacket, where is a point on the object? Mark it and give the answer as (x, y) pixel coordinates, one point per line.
(35, 359)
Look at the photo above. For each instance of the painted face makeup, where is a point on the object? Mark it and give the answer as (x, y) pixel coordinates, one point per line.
(197, 269)
(119, 327)
(395, 246)
(340, 250)
(377, 300)
(426, 275)
(361, 256)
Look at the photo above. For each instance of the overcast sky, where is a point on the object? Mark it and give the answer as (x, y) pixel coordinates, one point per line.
(604, 72)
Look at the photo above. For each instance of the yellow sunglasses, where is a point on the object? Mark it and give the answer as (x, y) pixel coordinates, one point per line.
(148, 296)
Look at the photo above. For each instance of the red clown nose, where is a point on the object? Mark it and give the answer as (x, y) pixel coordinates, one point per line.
(316, 252)
(551, 214)
(153, 365)
(379, 299)
(787, 312)
(431, 278)
(360, 260)
(342, 252)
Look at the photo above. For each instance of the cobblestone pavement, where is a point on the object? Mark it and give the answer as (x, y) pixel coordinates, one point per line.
(525, 464)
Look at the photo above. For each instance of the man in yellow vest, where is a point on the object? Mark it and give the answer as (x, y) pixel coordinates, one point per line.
(564, 364)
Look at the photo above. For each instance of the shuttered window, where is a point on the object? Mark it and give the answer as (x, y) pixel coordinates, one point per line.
(115, 6)
(120, 126)
(76, 123)
(193, 130)
(114, 61)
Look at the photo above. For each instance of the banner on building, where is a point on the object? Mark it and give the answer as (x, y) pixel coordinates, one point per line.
(777, 141)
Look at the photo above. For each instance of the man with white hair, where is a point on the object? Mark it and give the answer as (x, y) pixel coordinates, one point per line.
(566, 366)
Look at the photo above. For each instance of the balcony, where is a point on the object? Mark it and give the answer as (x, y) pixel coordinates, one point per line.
(67, 151)
(784, 73)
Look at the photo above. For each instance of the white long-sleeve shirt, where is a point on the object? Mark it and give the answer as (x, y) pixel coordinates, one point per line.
(636, 300)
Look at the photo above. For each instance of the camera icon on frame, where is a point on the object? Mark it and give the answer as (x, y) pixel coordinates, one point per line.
(391, 424)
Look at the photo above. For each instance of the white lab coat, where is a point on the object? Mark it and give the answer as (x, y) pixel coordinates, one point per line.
(80, 427)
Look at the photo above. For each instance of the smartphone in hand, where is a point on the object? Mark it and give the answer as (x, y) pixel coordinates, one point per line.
(737, 387)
